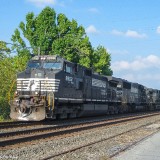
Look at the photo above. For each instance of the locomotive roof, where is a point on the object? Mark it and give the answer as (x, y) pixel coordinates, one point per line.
(113, 79)
(46, 57)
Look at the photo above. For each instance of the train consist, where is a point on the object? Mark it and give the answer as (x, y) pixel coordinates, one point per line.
(52, 87)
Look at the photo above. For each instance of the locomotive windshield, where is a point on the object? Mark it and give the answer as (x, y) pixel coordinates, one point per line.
(52, 65)
(45, 61)
(45, 64)
(33, 64)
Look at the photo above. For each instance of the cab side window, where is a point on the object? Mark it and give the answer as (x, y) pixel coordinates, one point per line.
(68, 68)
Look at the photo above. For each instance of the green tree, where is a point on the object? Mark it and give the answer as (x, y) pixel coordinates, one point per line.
(20, 45)
(72, 42)
(56, 34)
(4, 50)
(9, 66)
(101, 61)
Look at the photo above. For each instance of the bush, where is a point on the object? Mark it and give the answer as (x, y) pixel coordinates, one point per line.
(4, 109)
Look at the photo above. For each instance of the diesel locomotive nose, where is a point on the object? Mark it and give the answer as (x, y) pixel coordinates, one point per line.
(29, 104)
(25, 108)
(36, 87)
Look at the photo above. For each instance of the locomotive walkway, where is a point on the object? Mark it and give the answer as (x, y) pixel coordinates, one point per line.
(148, 149)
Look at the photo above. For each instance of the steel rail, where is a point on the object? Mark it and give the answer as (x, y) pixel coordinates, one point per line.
(69, 130)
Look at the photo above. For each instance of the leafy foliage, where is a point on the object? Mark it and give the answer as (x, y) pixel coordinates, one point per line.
(56, 34)
(4, 109)
(101, 61)
(9, 66)
(3, 50)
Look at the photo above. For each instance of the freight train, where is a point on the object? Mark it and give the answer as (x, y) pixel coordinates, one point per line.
(53, 88)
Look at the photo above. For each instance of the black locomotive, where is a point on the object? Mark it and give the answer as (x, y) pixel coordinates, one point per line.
(52, 87)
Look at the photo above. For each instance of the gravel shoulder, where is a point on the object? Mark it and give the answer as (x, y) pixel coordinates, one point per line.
(98, 151)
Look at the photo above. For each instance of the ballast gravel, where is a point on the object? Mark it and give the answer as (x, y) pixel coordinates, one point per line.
(98, 151)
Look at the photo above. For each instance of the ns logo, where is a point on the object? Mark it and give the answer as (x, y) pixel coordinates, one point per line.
(69, 79)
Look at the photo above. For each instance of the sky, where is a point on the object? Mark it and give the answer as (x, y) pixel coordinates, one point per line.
(128, 29)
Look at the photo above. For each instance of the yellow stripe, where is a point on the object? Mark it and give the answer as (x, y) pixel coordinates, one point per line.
(53, 102)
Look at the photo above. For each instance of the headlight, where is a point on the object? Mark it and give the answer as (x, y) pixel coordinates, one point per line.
(16, 93)
(36, 93)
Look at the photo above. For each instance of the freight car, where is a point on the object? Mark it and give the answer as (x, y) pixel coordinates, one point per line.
(52, 87)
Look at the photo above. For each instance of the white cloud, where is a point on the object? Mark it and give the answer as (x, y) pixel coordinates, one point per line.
(137, 64)
(91, 29)
(129, 33)
(117, 33)
(43, 3)
(147, 79)
(158, 29)
(135, 34)
(143, 70)
(93, 10)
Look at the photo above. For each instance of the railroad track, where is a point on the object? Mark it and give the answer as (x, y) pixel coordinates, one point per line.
(18, 124)
(12, 138)
(15, 124)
